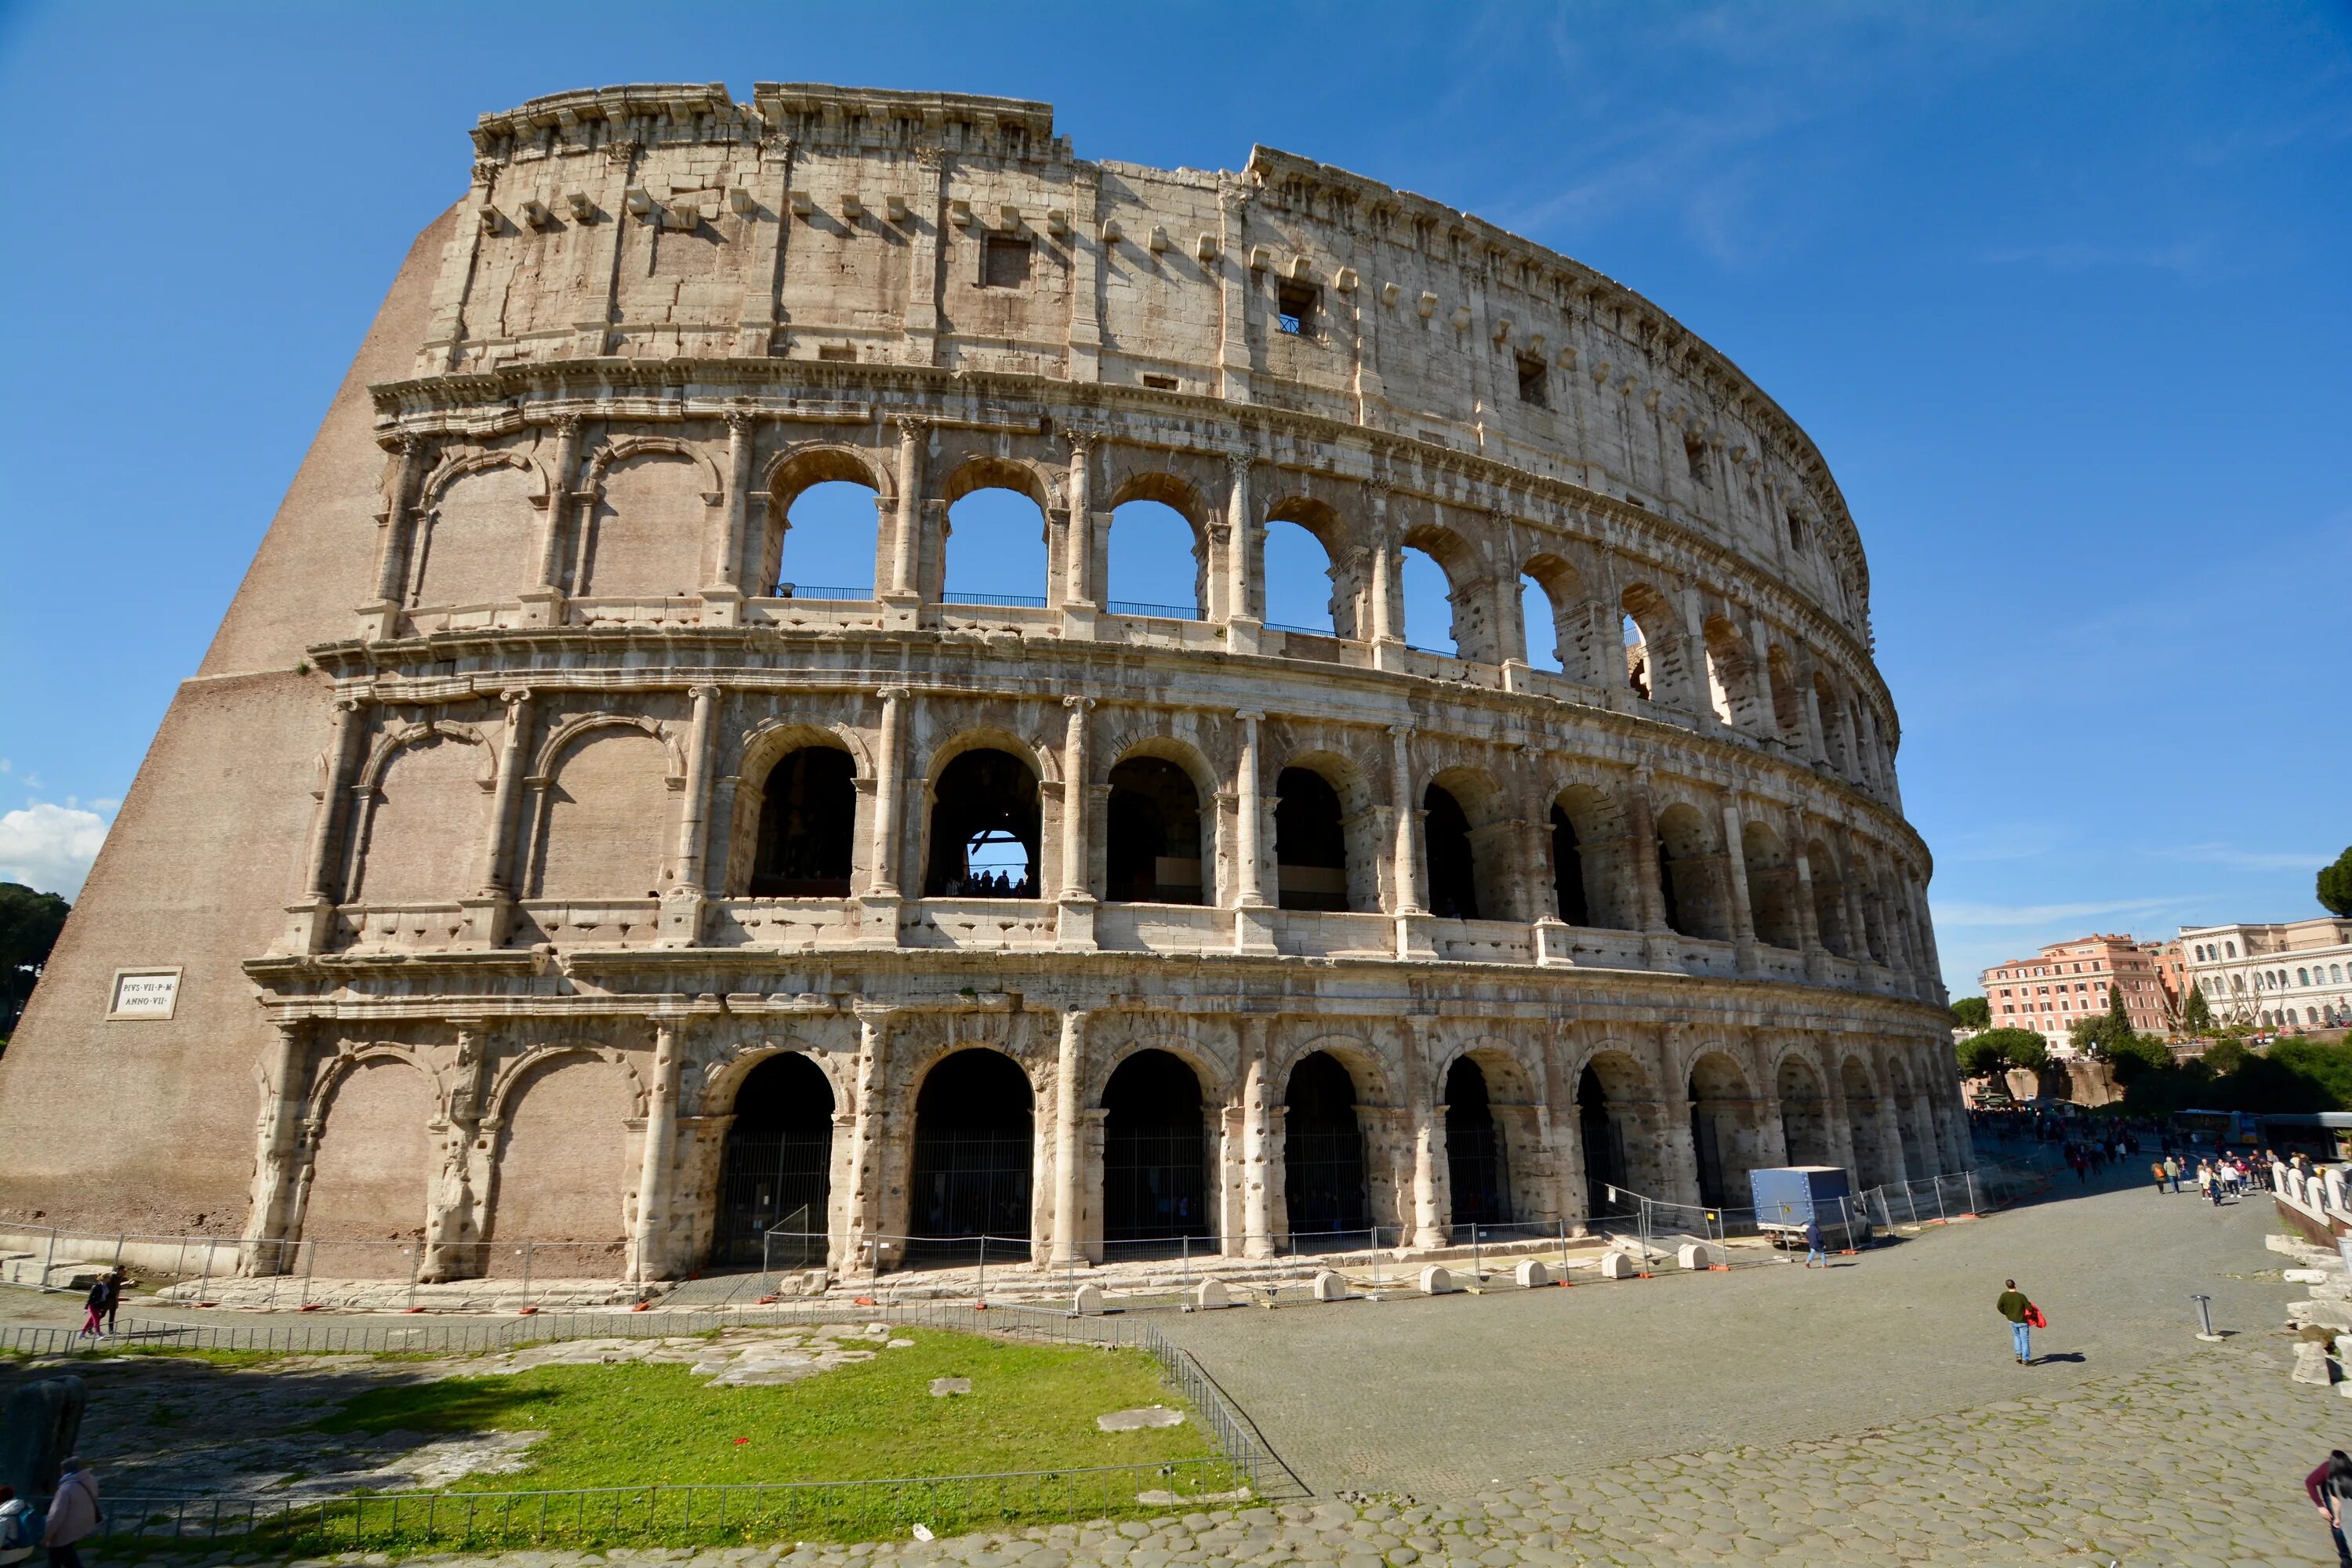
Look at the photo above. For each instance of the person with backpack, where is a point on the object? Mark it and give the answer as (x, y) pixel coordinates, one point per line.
(94, 1308)
(73, 1514)
(20, 1528)
(1814, 1253)
(116, 1282)
(2023, 1317)
(2328, 1487)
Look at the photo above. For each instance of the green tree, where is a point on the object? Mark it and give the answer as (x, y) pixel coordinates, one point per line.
(2196, 1013)
(1997, 1050)
(2135, 1055)
(30, 924)
(2335, 884)
(1972, 1013)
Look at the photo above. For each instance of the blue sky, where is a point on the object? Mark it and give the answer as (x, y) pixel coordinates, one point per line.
(2061, 291)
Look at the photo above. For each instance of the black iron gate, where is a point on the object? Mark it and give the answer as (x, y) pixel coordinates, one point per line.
(1154, 1188)
(1474, 1169)
(1604, 1161)
(1706, 1147)
(775, 1180)
(967, 1183)
(1323, 1175)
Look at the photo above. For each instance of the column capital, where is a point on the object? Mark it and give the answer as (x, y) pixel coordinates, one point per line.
(1250, 715)
(515, 696)
(1401, 732)
(892, 693)
(911, 427)
(703, 692)
(1083, 438)
(566, 425)
(1078, 702)
(1237, 464)
(742, 421)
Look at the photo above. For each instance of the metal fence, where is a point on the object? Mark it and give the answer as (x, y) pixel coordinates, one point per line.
(1152, 612)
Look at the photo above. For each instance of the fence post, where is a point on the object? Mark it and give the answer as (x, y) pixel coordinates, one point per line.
(1941, 1219)
(1972, 1193)
(1477, 1272)
(50, 1261)
(526, 1271)
(310, 1261)
(205, 1285)
(983, 1286)
(415, 1266)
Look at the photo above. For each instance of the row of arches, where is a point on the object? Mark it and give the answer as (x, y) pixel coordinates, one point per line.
(655, 523)
(1159, 1151)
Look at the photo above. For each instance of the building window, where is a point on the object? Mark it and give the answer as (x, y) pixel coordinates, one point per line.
(1533, 382)
(1004, 262)
(1160, 383)
(1293, 307)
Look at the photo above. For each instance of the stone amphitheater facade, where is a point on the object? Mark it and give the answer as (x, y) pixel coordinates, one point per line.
(521, 864)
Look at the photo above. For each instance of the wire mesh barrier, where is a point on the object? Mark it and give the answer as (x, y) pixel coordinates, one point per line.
(1152, 612)
(1006, 601)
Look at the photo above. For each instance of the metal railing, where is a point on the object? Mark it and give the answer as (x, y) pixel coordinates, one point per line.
(1304, 631)
(1152, 612)
(823, 591)
(1006, 601)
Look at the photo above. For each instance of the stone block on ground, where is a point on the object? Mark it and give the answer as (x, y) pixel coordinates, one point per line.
(2302, 1275)
(1436, 1279)
(1617, 1266)
(1696, 1254)
(2336, 1315)
(1089, 1301)
(1531, 1272)
(2312, 1366)
(941, 1387)
(1329, 1286)
(1211, 1294)
(1135, 1420)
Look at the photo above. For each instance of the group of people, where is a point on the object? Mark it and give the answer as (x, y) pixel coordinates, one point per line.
(104, 1301)
(2084, 1155)
(2217, 1177)
(990, 885)
(73, 1514)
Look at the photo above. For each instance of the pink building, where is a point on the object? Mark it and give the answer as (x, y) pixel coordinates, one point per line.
(2050, 993)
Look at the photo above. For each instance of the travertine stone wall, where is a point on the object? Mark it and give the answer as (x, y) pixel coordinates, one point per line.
(472, 784)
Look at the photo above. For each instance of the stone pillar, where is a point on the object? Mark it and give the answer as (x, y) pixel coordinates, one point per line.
(542, 602)
(1660, 945)
(883, 894)
(902, 595)
(489, 910)
(1075, 926)
(1244, 566)
(1387, 587)
(681, 918)
(863, 1210)
(1734, 878)
(1412, 911)
(1809, 925)
(313, 922)
(1253, 913)
(1427, 1130)
(271, 1216)
(452, 1229)
(1078, 561)
(1675, 1136)
(1069, 1069)
(381, 618)
(648, 1252)
(722, 600)
(1259, 1149)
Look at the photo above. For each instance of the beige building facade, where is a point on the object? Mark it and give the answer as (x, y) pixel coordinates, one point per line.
(519, 865)
(2285, 974)
(2068, 981)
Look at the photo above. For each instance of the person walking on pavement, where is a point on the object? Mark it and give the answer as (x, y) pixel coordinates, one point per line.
(2328, 1487)
(1814, 1253)
(2158, 1169)
(2014, 1306)
(2172, 1171)
(116, 1281)
(73, 1514)
(94, 1308)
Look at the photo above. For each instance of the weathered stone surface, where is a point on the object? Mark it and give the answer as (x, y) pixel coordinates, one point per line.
(941, 1387)
(38, 1427)
(1617, 1266)
(1531, 1272)
(1329, 1286)
(1135, 1420)
(2312, 1364)
(1436, 1279)
(1209, 1295)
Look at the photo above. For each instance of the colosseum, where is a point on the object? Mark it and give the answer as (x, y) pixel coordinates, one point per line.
(533, 857)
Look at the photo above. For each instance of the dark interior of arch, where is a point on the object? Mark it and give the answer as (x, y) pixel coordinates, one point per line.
(973, 1156)
(1567, 871)
(808, 810)
(982, 797)
(1474, 1149)
(1323, 1149)
(774, 1176)
(1445, 845)
(1152, 850)
(1155, 1152)
(1667, 896)
(1707, 1144)
(1310, 846)
(1604, 1145)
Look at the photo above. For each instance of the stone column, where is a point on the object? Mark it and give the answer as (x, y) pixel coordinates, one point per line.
(311, 922)
(1252, 911)
(880, 901)
(381, 618)
(1809, 925)
(648, 1252)
(1079, 559)
(1428, 1133)
(269, 1222)
(863, 1210)
(487, 912)
(1735, 878)
(681, 917)
(1412, 912)
(1386, 587)
(902, 595)
(1244, 566)
(1069, 1067)
(1075, 925)
(542, 602)
(722, 600)
(1258, 1147)
(452, 1232)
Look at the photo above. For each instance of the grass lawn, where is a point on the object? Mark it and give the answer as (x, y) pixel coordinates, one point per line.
(1032, 1407)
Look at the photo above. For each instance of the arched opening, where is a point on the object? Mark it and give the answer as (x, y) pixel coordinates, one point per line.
(1304, 589)
(1873, 1166)
(1829, 900)
(1723, 1131)
(1552, 616)
(995, 550)
(824, 546)
(1771, 887)
(1637, 658)
(1539, 621)
(1689, 875)
(1730, 675)
(1568, 893)
(808, 809)
(1834, 742)
(1323, 1149)
(985, 828)
(972, 1157)
(1452, 872)
(1474, 1153)
(1155, 1152)
(775, 1174)
(1310, 843)
(1646, 622)
(1917, 1141)
(1602, 1129)
(1788, 699)
(1152, 854)
(1804, 1113)
(1157, 566)
(1429, 607)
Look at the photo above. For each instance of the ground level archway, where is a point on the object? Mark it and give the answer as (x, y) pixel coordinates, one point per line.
(1155, 1154)
(1323, 1149)
(973, 1157)
(775, 1175)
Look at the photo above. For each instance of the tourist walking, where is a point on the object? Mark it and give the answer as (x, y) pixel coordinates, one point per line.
(94, 1305)
(115, 1282)
(2021, 1313)
(20, 1528)
(1814, 1253)
(2157, 1168)
(73, 1514)
(2328, 1486)
(2172, 1171)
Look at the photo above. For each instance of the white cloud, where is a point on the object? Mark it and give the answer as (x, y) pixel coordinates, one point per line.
(49, 847)
(2012, 916)
(2249, 859)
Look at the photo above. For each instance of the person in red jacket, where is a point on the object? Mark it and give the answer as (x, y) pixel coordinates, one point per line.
(2329, 1484)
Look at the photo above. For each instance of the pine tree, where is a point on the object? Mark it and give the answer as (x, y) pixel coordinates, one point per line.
(2117, 1027)
(2196, 1013)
